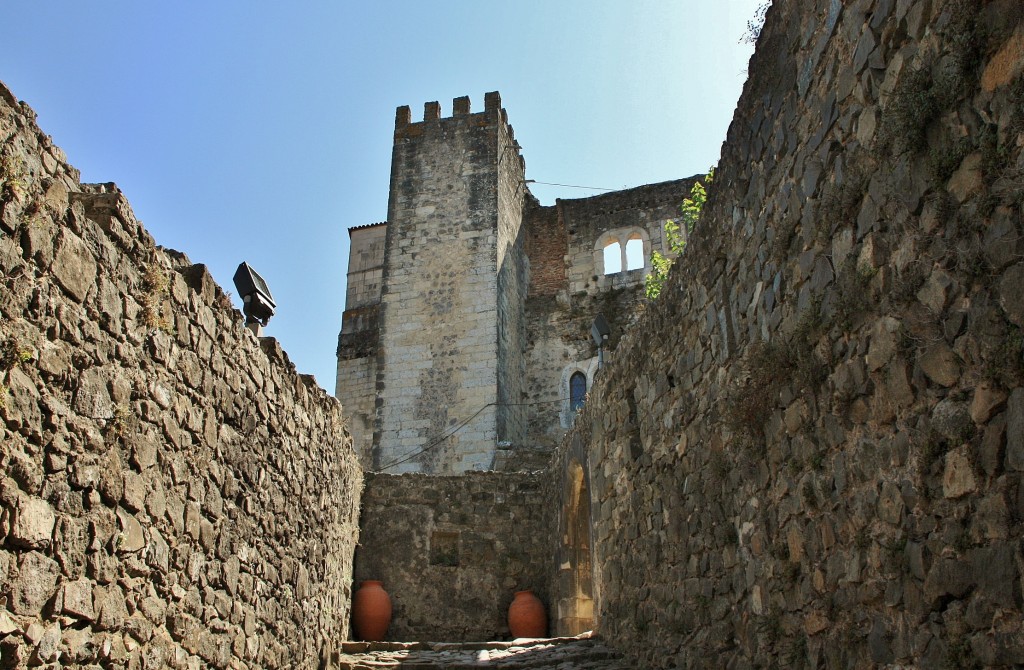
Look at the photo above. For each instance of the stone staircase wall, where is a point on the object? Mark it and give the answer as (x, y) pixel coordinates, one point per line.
(172, 493)
(810, 449)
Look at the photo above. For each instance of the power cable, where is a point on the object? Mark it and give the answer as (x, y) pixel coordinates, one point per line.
(548, 183)
(438, 441)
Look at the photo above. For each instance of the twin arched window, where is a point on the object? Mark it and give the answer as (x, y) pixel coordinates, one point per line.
(623, 253)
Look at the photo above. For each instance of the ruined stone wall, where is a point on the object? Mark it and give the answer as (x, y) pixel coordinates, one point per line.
(453, 550)
(570, 290)
(808, 450)
(173, 493)
(591, 222)
(546, 247)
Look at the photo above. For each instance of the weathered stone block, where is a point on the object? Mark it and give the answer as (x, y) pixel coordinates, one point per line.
(33, 523)
(958, 478)
(111, 608)
(940, 364)
(883, 343)
(34, 585)
(78, 599)
(74, 266)
(952, 420)
(986, 401)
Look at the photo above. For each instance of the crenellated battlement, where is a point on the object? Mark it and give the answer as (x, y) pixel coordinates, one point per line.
(493, 116)
(461, 109)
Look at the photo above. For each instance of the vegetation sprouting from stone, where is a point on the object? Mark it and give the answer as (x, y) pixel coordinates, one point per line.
(12, 354)
(676, 237)
(12, 177)
(156, 286)
(755, 24)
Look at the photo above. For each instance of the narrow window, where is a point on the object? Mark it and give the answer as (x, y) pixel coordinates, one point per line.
(635, 254)
(577, 390)
(613, 258)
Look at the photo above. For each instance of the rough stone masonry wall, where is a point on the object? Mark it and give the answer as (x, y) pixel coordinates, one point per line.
(173, 493)
(356, 381)
(810, 449)
(438, 339)
(513, 285)
(453, 550)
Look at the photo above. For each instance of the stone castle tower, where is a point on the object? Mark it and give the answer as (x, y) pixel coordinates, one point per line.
(467, 312)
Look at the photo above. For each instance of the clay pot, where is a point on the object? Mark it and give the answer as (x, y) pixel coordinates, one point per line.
(526, 616)
(371, 611)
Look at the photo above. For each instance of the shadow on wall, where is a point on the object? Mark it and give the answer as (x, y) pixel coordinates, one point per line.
(573, 590)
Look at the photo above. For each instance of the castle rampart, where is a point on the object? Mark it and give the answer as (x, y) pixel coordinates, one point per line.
(173, 493)
(807, 450)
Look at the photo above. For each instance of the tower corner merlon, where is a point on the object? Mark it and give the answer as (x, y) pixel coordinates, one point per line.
(403, 117)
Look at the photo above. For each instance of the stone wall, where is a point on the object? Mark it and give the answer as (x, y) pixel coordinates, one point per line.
(593, 222)
(173, 493)
(546, 247)
(452, 550)
(513, 284)
(809, 449)
(358, 341)
(568, 289)
(441, 267)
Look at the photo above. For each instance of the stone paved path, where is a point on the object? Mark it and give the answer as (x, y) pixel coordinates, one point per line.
(566, 653)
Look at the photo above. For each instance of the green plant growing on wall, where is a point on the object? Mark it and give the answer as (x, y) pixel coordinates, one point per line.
(157, 286)
(853, 293)
(120, 424)
(13, 181)
(755, 24)
(676, 238)
(12, 354)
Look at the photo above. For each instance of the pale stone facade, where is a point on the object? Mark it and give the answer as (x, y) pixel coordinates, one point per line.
(466, 308)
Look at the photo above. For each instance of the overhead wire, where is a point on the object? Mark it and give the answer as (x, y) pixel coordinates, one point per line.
(567, 185)
(438, 441)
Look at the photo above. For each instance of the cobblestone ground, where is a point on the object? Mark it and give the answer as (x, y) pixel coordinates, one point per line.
(565, 653)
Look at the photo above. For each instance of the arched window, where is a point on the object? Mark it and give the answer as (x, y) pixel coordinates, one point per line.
(613, 258)
(577, 390)
(635, 253)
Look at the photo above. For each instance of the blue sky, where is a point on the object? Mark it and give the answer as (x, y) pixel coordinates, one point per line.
(261, 131)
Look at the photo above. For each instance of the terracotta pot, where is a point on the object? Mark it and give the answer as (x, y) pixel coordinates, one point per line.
(526, 616)
(371, 611)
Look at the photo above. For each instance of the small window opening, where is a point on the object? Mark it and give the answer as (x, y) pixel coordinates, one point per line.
(577, 390)
(613, 258)
(444, 548)
(635, 254)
